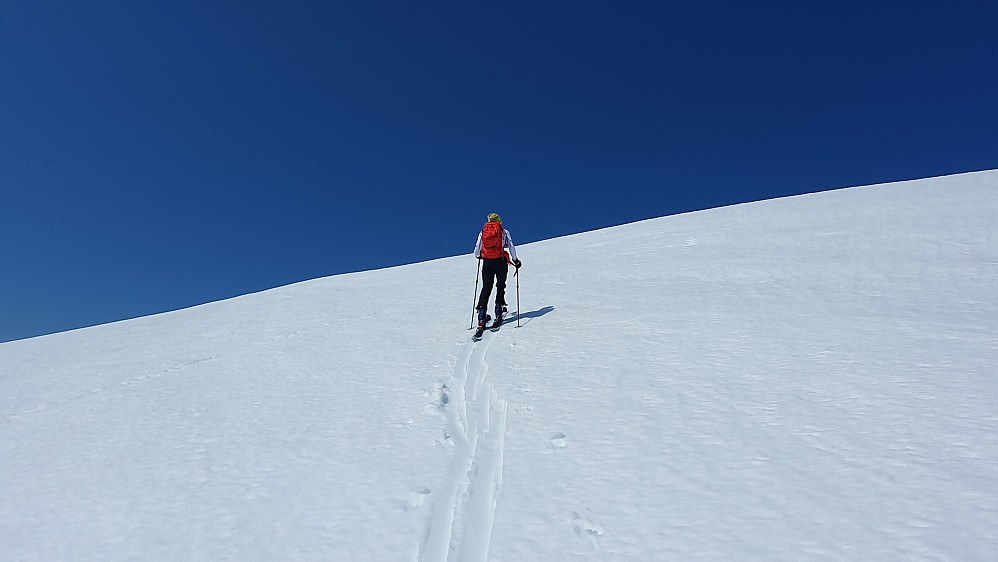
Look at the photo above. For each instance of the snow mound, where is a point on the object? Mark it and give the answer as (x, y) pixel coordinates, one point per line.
(803, 378)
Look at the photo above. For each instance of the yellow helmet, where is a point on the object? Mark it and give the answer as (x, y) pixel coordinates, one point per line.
(495, 218)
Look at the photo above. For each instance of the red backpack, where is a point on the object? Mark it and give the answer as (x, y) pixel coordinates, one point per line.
(492, 246)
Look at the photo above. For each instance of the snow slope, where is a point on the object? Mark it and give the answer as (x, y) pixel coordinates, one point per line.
(809, 378)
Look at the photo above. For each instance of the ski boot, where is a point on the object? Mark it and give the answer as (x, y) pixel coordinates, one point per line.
(500, 313)
(483, 319)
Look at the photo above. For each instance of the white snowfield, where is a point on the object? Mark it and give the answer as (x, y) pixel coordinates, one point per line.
(809, 378)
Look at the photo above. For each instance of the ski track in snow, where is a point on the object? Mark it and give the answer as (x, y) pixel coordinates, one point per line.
(460, 526)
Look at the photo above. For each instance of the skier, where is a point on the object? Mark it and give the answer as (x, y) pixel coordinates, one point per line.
(491, 248)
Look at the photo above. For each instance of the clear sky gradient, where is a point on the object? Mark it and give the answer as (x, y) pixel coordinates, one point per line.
(157, 155)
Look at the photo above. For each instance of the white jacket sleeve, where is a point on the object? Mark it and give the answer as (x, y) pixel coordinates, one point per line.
(478, 246)
(507, 241)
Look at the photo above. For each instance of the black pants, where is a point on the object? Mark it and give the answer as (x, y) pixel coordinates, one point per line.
(493, 271)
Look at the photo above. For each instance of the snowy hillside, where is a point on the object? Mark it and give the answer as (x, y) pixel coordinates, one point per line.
(810, 378)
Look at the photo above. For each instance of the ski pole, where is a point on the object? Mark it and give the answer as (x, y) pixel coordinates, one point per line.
(517, 275)
(478, 271)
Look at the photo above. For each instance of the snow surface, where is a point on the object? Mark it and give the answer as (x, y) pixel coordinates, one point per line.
(809, 378)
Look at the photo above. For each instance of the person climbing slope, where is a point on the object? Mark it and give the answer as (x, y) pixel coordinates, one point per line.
(495, 249)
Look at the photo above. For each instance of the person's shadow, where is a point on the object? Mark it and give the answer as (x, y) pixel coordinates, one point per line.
(528, 316)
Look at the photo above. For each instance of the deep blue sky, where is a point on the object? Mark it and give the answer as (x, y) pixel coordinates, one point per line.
(157, 155)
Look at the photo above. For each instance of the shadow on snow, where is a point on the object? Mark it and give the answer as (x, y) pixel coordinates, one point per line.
(529, 315)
